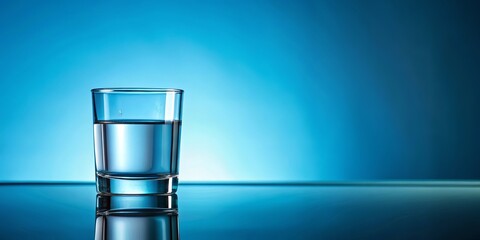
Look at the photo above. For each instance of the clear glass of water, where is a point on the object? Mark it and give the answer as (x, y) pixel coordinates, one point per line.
(137, 139)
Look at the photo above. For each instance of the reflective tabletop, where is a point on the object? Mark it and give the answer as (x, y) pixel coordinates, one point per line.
(254, 211)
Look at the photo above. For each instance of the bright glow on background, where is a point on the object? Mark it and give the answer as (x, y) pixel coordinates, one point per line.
(274, 90)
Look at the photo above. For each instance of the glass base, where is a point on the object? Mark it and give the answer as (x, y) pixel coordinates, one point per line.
(114, 185)
(137, 205)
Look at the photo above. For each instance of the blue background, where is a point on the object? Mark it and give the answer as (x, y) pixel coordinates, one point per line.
(274, 90)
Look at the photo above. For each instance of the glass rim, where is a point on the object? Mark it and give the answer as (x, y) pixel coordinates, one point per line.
(137, 90)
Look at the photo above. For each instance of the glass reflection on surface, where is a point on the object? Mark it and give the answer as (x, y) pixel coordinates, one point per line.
(136, 217)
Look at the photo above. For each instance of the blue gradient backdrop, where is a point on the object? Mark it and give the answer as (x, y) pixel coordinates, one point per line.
(275, 90)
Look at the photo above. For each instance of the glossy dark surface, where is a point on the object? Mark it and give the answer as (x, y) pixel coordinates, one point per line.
(67, 211)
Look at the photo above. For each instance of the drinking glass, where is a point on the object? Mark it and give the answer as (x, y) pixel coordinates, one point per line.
(137, 139)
